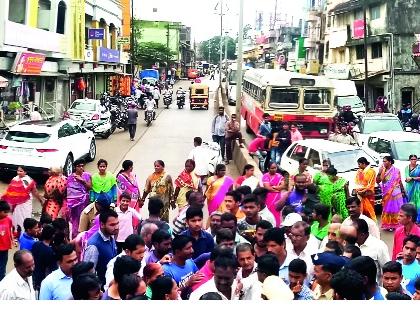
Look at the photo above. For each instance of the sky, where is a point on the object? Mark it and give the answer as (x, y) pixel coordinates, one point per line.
(204, 21)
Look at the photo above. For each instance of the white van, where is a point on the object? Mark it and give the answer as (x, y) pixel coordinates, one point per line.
(345, 94)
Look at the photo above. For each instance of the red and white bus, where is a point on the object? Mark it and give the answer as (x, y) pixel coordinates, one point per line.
(288, 97)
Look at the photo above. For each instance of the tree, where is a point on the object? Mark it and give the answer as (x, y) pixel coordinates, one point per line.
(148, 53)
(210, 49)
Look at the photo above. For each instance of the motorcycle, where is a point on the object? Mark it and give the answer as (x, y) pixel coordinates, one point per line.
(180, 100)
(149, 117)
(167, 100)
(215, 156)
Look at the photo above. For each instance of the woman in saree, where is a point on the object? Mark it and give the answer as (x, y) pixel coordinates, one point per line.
(127, 183)
(19, 195)
(79, 184)
(392, 194)
(338, 188)
(186, 181)
(217, 187)
(55, 194)
(322, 180)
(275, 183)
(160, 184)
(412, 173)
(365, 187)
(247, 178)
(103, 181)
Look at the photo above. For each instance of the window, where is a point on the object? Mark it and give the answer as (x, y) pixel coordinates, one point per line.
(27, 137)
(372, 143)
(66, 130)
(290, 152)
(317, 99)
(299, 152)
(358, 15)
(284, 98)
(44, 14)
(313, 158)
(61, 17)
(359, 52)
(383, 147)
(327, 50)
(376, 50)
(375, 12)
(17, 11)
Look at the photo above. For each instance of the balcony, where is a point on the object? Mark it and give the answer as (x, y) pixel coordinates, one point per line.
(316, 7)
(25, 37)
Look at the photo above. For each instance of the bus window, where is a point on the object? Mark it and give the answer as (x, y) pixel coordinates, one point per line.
(284, 98)
(317, 99)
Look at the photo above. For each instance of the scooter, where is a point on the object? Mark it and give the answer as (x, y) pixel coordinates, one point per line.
(167, 100)
(149, 117)
(180, 100)
(103, 129)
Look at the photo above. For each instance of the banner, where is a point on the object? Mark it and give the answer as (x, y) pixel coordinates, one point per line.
(28, 63)
(96, 33)
(109, 55)
(358, 29)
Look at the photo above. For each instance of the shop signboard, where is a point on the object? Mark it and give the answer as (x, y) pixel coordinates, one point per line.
(28, 63)
(96, 33)
(123, 40)
(109, 55)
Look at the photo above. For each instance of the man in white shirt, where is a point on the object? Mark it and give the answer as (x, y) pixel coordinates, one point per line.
(150, 106)
(355, 213)
(125, 217)
(223, 282)
(372, 247)
(247, 273)
(17, 285)
(218, 129)
(134, 247)
(202, 159)
(35, 115)
(156, 96)
(265, 213)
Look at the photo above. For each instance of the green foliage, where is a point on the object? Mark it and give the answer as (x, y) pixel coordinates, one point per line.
(210, 49)
(148, 53)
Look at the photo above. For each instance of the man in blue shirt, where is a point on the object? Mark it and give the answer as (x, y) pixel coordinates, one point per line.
(57, 285)
(203, 242)
(297, 276)
(182, 269)
(410, 266)
(265, 127)
(28, 238)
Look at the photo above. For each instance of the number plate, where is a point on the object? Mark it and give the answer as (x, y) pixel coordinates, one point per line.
(21, 150)
(277, 117)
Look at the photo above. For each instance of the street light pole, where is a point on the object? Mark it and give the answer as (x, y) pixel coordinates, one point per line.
(226, 46)
(365, 34)
(221, 44)
(132, 40)
(239, 62)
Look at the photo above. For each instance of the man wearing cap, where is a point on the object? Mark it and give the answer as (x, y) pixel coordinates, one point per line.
(355, 213)
(326, 264)
(88, 214)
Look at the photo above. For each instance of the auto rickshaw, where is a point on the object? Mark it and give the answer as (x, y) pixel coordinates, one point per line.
(199, 96)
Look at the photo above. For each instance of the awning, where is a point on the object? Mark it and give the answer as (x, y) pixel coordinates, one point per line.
(370, 40)
(352, 5)
(42, 74)
(3, 82)
(361, 76)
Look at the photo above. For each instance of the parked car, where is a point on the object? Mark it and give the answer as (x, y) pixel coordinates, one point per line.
(91, 112)
(342, 156)
(375, 122)
(40, 145)
(399, 145)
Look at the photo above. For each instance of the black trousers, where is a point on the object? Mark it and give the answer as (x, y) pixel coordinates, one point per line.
(132, 130)
(230, 143)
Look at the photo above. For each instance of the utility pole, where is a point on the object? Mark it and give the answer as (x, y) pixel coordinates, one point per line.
(239, 62)
(365, 87)
(167, 52)
(132, 40)
(221, 44)
(226, 46)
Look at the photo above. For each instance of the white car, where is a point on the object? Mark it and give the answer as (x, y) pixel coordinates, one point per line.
(88, 110)
(374, 122)
(342, 156)
(40, 145)
(399, 145)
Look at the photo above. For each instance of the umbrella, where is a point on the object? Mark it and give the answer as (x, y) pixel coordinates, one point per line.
(3, 82)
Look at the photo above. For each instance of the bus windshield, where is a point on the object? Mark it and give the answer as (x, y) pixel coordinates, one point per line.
(284, 98)
(317, 99)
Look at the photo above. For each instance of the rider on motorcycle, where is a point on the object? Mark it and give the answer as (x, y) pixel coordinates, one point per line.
(347, 115)
(150, 106)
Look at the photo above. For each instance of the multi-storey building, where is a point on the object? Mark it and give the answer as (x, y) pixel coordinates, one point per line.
(391, 28)
(47, 56)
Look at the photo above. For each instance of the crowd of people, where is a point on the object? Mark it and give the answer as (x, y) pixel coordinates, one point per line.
(284, 236)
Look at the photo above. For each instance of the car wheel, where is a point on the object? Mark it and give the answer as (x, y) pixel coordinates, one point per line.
(68, 166)
(92, 150)
(107, 134)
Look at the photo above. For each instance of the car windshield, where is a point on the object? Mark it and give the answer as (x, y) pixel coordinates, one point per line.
(381, 124)
(353, 101)
(405, 149)
(84, 105)
(347, 160)
(27, 137)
